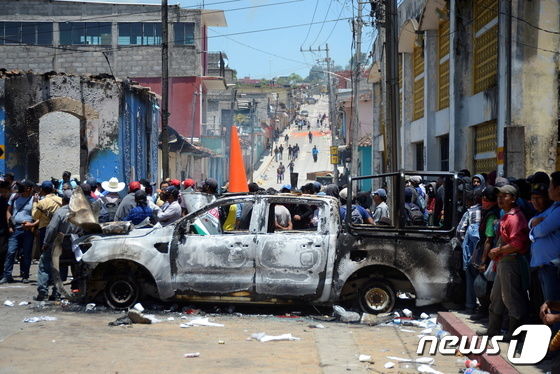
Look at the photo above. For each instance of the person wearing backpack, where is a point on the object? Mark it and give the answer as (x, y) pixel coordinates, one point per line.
(358, 215)
(413, 214)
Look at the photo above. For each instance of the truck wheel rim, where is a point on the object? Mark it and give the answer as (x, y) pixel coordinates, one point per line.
(121, 292)
(376, 298)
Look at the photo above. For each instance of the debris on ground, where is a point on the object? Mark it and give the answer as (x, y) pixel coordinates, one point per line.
(192, 355)
(90, 307)
(427, 369)
(424, 316)
(121, 321)
(39, 319)
(191, 311)
(200, 322)
(389, 365)
(221, 342)
(23, 303)
(407, 312)
(138, 307)
(263, 337)
(137, 317)
(9, 303)
(344, 315)
(419, 360)
(374, 320)
(365, 358)
(317, 326)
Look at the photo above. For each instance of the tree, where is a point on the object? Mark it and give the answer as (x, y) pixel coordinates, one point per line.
(363, 60)
(316, 74)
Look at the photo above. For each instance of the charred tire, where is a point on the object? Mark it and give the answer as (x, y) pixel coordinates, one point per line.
(376, 296)
(122, 292)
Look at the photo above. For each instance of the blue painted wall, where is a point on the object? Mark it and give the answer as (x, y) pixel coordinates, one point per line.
(365, 167)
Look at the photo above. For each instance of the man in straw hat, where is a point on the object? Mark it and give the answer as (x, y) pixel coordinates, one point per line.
(111, 200)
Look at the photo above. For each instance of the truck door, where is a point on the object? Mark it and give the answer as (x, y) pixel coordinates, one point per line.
(214, 259)
(291, 263)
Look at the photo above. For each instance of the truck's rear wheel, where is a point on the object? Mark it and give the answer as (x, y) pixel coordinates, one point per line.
(376, 296)
(122, 292)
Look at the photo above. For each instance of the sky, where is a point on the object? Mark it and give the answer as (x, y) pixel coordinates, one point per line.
(268, 54)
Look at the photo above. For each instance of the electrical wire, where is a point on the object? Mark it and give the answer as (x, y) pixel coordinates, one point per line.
(334, 26)
(312, 20)
(323, 24)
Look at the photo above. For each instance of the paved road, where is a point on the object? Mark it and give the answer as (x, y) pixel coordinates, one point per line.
(304, 164)
(79, 342)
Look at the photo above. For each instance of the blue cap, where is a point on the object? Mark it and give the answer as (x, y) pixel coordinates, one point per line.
(381, 193)
(287, 186)
(46, 185)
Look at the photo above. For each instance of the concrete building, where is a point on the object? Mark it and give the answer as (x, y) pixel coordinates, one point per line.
(88, 125)
(479, 89)
(116, 38)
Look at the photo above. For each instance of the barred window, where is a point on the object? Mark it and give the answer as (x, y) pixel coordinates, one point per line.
(30, 33)
(139, 33)
(85, 33)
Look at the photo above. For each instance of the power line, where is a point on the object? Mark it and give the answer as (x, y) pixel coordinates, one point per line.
(334, 26)
(323, 24)
(312, 20)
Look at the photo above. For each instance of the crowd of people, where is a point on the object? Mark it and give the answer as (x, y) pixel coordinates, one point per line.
(32, 215)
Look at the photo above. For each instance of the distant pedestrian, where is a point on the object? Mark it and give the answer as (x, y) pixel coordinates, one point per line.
(280, 151)
(310, 136)
(286, 138)
(291, 166)
(276, 153)
(296, 151)
(315, 153)
(290, 152)
(280, 173)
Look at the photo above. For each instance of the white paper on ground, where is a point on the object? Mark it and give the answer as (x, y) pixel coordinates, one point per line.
(39, 319)
(428, 369)
(420, 360)
(364, 358)
(201, 322)
(23, 303)
(389, 365)
(407, 330)
(9, 303)
(263, 337)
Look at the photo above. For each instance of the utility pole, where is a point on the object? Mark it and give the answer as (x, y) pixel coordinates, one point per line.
(164, 90)
(332, 114)
(392, 89)
(357, 72)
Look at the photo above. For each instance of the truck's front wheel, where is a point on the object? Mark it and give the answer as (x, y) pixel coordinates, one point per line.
(122, 292)
(376, 296)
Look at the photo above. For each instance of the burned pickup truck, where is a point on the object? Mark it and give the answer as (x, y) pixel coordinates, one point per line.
(332, 261)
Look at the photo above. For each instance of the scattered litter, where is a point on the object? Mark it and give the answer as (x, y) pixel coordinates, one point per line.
(90, 307)
(124, 320)
(287, 315)
(407, 312)
(374, 320)
(200, 322)
(427, 331)
(407, 330)
(221, 342)
(9, 303)
(428, 369)
(263, 337)
(344, 315)
(137, 317)
(364, 358)
(317, 326)
(39, 319)
(192, 355)
(138, 307)
(23, 303)
(419, 360)
(54, 341)
(171, 318)
(424, 316)
(191, 311)
(389, 365)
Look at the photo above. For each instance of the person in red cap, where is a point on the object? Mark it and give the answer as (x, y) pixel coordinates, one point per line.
(128, 202)
(175, 183)
(189, 185)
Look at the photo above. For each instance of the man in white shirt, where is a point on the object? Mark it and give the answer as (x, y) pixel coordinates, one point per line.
(381, 213)
(171, 210)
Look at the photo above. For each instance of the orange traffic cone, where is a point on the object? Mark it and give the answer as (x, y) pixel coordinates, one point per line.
(237, 176)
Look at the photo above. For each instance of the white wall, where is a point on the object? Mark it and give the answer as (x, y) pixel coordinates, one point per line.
(59, 145)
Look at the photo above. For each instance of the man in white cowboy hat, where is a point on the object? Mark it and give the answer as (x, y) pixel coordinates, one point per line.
(111, 200)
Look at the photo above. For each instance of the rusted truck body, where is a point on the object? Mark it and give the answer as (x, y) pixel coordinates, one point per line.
(195, 259)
